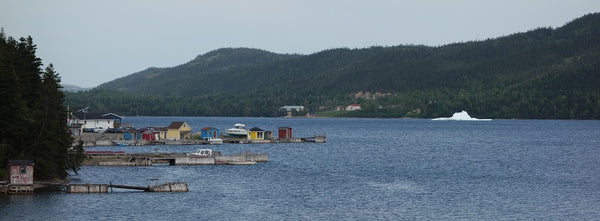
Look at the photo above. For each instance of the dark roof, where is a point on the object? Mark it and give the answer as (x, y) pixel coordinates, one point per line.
(176, 124)
(209, 128)
(256, 129)
(21, 162)
(81, 116)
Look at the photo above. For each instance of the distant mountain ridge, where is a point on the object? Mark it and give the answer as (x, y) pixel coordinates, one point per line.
(522, 75)
(73, 88)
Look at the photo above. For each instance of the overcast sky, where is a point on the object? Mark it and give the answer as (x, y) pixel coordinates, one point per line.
(92, 42)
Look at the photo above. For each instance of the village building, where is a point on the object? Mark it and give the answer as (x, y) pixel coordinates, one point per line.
(290, 108)
(209, 132)
(96, 122)
(155, 133)
(20, 175)
(256, 133)
(353, 107)
(178, 130)
(132, 134)
(284, 132)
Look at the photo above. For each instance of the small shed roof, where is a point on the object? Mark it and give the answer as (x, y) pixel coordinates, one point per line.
(21, 162)
(256, 129)
(209, 128)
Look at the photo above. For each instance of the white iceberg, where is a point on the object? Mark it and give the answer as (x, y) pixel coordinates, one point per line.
(463, 115)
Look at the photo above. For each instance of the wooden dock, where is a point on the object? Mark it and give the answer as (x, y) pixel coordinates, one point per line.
(103, 188)
(7, 188)
(107, 139)
(148, 159)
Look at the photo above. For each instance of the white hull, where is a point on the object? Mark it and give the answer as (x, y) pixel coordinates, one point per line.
(238, 130)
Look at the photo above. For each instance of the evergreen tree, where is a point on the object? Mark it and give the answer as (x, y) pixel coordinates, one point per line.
(33, 118)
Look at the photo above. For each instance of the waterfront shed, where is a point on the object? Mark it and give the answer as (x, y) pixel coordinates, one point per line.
(131, 134)
(284, 132)
(20, 172)
(178, 130)
(209, 132)
(256, 133)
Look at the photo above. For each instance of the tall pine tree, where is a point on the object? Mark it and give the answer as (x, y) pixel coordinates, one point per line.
(33, 118)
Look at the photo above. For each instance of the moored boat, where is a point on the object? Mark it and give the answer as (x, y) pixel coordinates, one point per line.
(201, 153)
(238, 130)
(214, 140)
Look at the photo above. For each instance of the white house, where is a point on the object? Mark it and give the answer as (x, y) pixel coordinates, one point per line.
(353, 107)
(290, 108)
(99, 122)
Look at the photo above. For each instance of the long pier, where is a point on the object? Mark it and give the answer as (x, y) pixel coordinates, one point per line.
(7, 188)
(147, 159)
(103, 188)
(108, 139)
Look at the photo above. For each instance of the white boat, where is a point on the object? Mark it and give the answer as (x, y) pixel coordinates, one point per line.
(212, 140)
(201, 153)
(238, 130)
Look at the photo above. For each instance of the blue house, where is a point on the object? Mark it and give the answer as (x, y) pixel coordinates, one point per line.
(209, 132)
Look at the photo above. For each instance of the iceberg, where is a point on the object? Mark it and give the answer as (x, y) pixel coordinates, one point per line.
(463, 115)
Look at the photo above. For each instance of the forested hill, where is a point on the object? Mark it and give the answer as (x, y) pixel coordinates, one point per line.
(207, 73)
(543, 73)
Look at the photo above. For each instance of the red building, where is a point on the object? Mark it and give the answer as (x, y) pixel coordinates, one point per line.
(284, 132)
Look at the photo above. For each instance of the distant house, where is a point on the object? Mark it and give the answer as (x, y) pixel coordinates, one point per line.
(290, 108)
(178, 130)
(353, 107)
(209, 132)
(20, 172)
(97, 121)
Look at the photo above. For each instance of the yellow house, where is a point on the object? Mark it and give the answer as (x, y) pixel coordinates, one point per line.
(178, 130)
(259, 134)
(256, 134)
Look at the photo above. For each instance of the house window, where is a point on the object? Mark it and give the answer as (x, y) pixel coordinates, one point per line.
(23, 170)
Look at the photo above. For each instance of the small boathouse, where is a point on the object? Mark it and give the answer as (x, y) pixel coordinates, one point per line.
(20, 177)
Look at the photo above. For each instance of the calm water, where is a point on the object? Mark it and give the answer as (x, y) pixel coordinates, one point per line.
(368, 169)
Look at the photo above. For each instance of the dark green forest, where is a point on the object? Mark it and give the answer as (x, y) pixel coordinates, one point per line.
(33, 124)
(546, 73)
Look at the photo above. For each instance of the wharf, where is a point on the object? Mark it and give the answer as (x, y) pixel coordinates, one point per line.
(94, 188)
(147, 159)
(103, 188)
(104, 139)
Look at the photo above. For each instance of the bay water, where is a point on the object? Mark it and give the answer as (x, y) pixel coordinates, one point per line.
(369, 169)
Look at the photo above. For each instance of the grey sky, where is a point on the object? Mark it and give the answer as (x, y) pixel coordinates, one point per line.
(92, 42)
